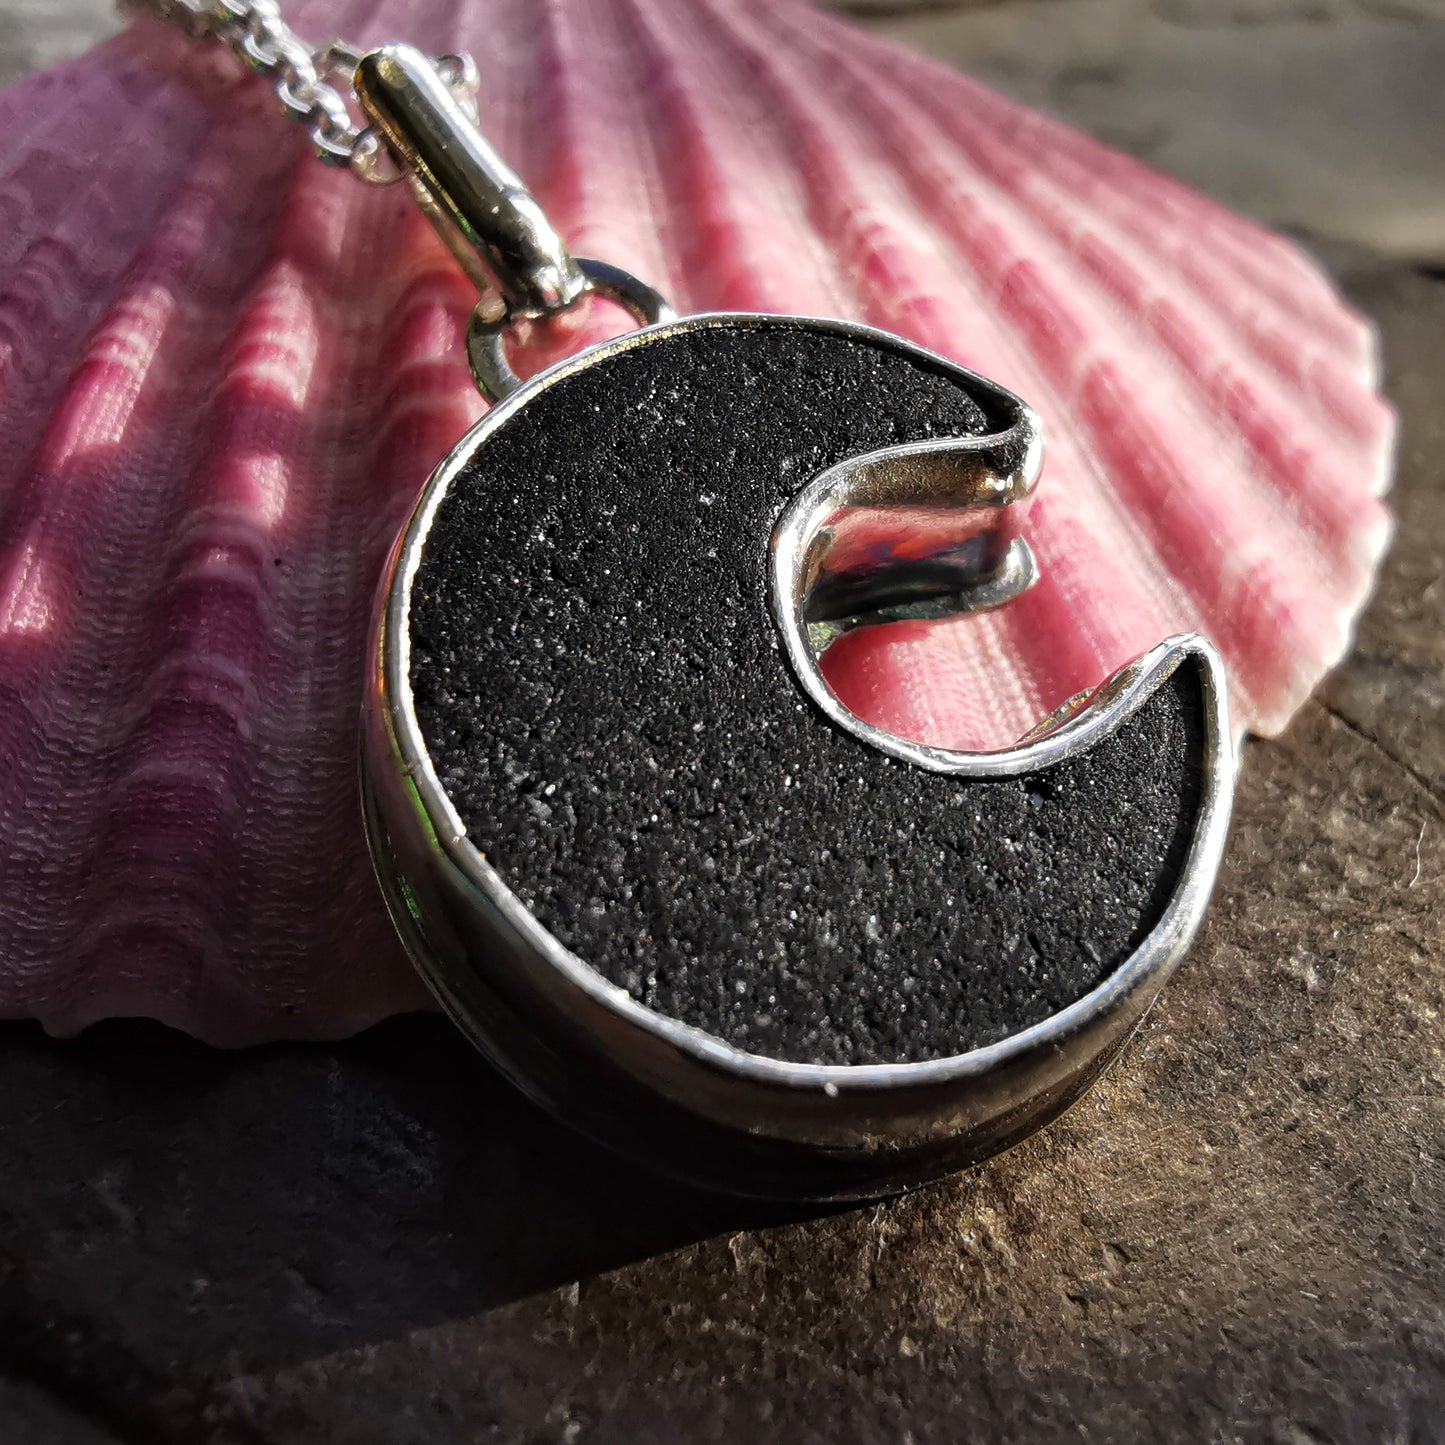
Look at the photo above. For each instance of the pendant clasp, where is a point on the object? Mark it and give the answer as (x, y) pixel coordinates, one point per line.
(480, 207)
(490, 221)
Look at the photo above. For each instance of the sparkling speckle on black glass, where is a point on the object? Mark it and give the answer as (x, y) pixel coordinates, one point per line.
(600, 686)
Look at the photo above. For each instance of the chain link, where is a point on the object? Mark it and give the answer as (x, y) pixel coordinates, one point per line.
(301, 75)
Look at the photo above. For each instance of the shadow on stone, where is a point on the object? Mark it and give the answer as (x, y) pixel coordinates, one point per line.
(292, 1201)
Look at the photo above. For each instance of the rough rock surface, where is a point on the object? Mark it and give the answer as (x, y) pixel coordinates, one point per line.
(1237, 1236)
(804, 897)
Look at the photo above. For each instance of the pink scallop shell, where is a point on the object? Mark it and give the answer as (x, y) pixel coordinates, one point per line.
(225, 373)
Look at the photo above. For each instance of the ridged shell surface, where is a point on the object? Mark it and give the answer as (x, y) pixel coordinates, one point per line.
(225, 373)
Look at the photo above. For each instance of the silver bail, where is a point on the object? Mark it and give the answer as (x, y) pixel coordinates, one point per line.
(492, 223)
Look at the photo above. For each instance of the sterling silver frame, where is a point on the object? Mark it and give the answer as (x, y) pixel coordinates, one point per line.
(671, 1095)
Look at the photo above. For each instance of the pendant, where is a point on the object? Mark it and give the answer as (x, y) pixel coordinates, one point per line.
(647, 860)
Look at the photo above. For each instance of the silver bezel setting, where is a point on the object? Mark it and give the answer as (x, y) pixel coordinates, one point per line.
(415, 831)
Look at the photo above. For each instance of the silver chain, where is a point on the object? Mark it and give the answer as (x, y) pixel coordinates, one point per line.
(302, 75)
(423, 116)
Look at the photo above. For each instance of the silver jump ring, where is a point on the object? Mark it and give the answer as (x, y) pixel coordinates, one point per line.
(486, 331)
(373, 161)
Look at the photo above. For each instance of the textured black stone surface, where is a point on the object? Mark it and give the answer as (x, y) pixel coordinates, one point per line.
(603, 694)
